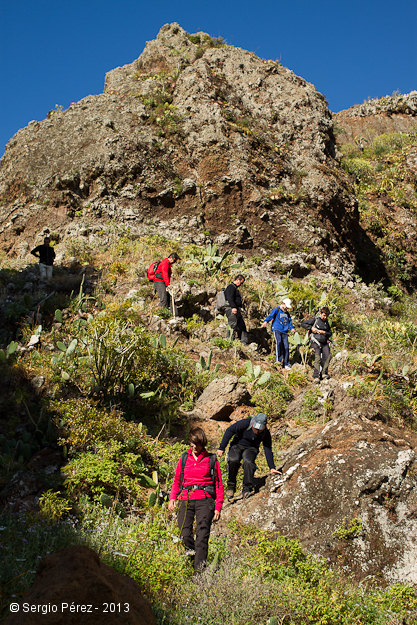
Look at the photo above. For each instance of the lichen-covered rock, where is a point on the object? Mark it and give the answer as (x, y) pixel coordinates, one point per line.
(195, 139)
(348, 492)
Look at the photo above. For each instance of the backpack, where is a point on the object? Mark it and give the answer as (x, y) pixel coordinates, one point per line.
(210, 489)
(152, 271)
(221, 302)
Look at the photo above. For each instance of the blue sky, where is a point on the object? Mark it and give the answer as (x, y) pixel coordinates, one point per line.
(58, 52)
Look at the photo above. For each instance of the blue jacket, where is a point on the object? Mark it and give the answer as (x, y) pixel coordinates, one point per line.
(282, 321)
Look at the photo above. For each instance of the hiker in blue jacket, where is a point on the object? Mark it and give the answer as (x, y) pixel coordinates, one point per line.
(281, 325)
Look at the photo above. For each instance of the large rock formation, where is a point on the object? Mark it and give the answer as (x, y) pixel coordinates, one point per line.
(396, 113)
(194, 139)
(348, 492)
(73, 586)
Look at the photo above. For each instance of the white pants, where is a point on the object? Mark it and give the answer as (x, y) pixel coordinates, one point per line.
(45, 271)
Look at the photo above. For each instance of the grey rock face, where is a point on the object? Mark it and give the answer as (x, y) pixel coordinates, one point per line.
(352, 468)
(239, 146)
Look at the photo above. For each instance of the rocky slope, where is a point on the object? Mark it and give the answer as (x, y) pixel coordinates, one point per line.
(379, 143)
(396, 113)
(195, 137)
(348, 493)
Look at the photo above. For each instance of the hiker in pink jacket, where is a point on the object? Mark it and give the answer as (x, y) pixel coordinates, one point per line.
(199, 488)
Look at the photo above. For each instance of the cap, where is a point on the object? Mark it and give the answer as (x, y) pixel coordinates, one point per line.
(287, 302)
(259, 421)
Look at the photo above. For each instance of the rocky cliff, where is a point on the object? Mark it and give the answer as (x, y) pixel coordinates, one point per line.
(379, 142)
(196, 139)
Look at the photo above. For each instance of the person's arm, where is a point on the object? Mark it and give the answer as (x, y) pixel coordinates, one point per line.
(219, 491)
(308, 323)
(233, 429)
(175, 486)
(229, 294)
(35, 251)
(53, 254)
(164, 270)
(329, 331)
(271, 316)
(291, 325)
(267, 443)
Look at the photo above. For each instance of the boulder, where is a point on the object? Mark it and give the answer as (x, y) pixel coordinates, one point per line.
(348, 492)
(220, 398)
(76, 577)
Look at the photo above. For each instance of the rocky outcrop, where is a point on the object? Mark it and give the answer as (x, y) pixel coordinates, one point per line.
(194, 130)
(348, 492)
(76, 578)
(220, 398)
(396, 113)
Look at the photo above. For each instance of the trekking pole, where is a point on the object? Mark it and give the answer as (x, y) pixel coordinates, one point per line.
(173, 303)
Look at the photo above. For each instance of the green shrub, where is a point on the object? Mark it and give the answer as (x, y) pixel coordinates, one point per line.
(108, 470)
(82, 424)
(274, 398)
(119, 353)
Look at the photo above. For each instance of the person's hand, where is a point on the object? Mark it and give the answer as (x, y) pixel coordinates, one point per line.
(264, 324)
(172, 504)
(169, 288)
(216, 516)
(220, 452)
(275, 471)
(234, 311)
(293, 331)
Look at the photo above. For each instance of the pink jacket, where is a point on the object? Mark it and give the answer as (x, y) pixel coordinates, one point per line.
(197, 472)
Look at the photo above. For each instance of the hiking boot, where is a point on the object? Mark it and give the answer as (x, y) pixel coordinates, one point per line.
(287, 367)
(230, 493)
(247, 493)
(316, 380)
(326, 376)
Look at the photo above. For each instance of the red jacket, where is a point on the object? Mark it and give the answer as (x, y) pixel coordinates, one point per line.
(164, 268)
(197, 472)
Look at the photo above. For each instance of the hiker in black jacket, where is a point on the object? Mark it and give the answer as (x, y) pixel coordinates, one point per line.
(320, 333)
(248, 435)
(232, 311)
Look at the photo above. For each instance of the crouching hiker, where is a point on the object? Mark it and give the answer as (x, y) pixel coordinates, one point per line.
(320, 333)
(199, 488)
(281, 325)
(248, 435)
(233, 312)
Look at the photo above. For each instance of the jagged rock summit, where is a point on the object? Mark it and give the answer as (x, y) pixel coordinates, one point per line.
(196, 139)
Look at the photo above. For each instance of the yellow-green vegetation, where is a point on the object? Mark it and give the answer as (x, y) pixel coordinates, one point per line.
(253, 576)
(112, 401)
(385, 185)
(348, 529)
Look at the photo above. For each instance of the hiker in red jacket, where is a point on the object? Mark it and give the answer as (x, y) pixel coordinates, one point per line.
(162, 279)
(199, 488)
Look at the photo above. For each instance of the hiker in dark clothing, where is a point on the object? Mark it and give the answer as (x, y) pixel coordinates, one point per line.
(232, 311)
(248, 435)
(320, 333)
(199, 489)
(46, 255)
(162, 280)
